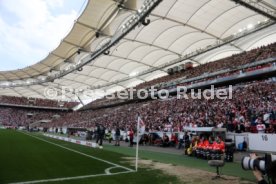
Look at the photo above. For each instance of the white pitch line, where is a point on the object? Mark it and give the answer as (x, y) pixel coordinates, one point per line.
(107, 171)
(70, 178)
(96, 158)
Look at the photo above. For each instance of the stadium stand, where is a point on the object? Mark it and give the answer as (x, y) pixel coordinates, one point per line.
(232, 65)
(57, 120)
(225, 63)
(19, 116)
(251, 102)
(12, 100)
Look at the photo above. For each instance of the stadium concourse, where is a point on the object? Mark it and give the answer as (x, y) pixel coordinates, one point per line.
(52, 115)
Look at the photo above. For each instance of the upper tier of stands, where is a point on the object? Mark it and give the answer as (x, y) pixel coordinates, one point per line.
(230, 63)
(226, 63)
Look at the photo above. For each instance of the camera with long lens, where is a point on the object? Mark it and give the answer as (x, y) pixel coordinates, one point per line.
(262, 164)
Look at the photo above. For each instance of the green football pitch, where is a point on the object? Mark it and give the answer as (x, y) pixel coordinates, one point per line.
(34, 158)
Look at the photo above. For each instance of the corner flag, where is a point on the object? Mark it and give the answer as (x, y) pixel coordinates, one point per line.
(140, 130)
(141, 125)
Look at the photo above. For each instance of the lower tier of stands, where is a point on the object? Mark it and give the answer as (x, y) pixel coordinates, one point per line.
(251, 109)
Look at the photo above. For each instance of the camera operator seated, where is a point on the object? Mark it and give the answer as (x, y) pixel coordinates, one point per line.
(271, 172)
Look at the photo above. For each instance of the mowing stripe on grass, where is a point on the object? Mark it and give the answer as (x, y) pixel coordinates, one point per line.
(111, 163)
(71, 178)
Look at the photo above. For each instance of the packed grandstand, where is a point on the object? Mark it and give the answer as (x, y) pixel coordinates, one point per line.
(150, 44)
(253, 102)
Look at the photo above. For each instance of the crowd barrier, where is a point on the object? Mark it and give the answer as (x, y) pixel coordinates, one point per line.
(255, 142)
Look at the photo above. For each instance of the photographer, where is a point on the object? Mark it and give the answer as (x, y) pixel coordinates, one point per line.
(270, 173)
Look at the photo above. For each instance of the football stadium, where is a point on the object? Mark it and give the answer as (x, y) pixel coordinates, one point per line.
(138, 91)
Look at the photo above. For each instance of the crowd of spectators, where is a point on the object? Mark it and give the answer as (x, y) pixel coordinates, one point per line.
(231, 63)
(252, 104)
(227, 74)
(107, 101)
(225, 63)
(252, 108)
(36, 102)
(11, 116)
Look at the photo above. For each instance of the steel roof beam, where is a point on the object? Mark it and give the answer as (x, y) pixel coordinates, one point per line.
(254, 6)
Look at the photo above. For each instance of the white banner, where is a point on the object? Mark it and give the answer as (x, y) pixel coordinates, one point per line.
(262, 142)
(199, 129)
(67, 139)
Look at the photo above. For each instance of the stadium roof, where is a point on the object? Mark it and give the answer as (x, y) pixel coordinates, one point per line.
(177, 29)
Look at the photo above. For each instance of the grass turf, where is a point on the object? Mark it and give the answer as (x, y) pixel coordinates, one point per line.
(24, 158)
(231, 169)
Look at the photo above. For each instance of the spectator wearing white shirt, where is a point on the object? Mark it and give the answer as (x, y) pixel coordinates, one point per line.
(260, 127)
(266, 119)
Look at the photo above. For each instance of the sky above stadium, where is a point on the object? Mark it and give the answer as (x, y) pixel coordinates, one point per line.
(30, 29)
